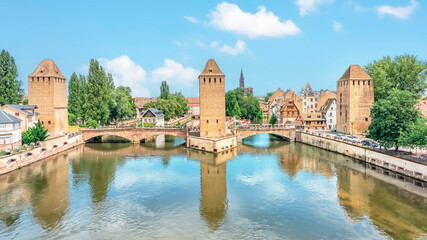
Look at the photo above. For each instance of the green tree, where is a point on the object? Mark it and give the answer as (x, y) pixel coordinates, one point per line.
(404, 72)
(273, 119)
(415, 135)
(98, 93)
(75, 102)
(182, 102)
(34, 134)
(72, 119)
(392, 116)
(164, 90)
(267, 97)
(121, 104)
(242, 105)
(10, 87)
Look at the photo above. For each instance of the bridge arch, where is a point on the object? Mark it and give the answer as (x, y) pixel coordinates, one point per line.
(276, 135)
(88, 138)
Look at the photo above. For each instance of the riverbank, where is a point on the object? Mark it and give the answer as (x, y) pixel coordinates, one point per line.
(47, 148)
(406, 167)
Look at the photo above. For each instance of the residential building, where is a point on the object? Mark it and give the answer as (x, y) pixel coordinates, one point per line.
(242, 84)
(264, 108)
(313, 100)
(26, 113)
(153, 116)
(212, 101)
(140, 102)
(289, 113)
(47, 88)
(355, 91)
(329, 111)
(10, 131)
(194, 105)
(314, 121)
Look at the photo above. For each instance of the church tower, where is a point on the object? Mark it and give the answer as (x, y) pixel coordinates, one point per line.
(355, 97)
(47, 88)
(242, 79)
(212, 101)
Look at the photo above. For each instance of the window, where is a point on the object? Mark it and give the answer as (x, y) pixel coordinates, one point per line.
(7, 139)
(204, 80)
(214, 80)
(1, 140)
(330, 114)
(207, 121)
(16, 114)
(2, 126)
(217, 121)
(363, 82)
(358, 82)
(48, 122)
(366, 119)
(209, 80)
(220, 79)
(353, 82)
(369, 82)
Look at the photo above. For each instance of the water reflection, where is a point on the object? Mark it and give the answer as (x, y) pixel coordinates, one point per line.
(137, 190)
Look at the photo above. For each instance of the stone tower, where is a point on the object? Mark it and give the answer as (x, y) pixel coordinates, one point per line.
(47, 88)
(212, 101)
(355, 97)
(242, 79)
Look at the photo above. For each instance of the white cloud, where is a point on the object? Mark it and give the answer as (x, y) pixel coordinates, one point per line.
(191, 19)
(214, 43)
(240, 47)
(307, 6)
(229, 17)
(127, 73)
(337, 26)
(200, 43)
(175, 73)
(397, 12)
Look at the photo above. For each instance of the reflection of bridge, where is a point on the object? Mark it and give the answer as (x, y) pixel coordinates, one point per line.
(135, 135)
(279, 131)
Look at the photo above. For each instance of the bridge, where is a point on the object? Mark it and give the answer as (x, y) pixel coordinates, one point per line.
(135, 135)
(278, 130)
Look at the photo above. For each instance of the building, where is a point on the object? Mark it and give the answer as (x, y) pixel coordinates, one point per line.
(242, 84)
(313, 100)
(153, 116)
(329, 111)
(264, 108)
(422, 106)
(355, 91)
(212, 101)
(289, 113)
(140, 102)
(10, 131)
(47, 88)
(314, 121)
(194, 105)
(26, 113)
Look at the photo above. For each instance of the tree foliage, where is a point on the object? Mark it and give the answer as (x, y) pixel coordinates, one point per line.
(164, 90)
(241, 105)
(267, 97)
(10, 87)
(34, 134)
(404, 72)
(175, 105)
(391, 118)
(121, 104)
(273, 119)
(416, 134)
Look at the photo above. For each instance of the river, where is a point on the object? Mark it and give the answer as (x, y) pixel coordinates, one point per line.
(264, 189)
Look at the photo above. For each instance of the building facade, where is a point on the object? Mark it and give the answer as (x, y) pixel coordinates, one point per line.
(26, 113)
(194, 105)
(314, 121)
(355, 97)
(212, 101)
(289, 113)
(140, 102)
(313, 100)
(154, 117)
(329, 111)
(10, 131)
(47, 88)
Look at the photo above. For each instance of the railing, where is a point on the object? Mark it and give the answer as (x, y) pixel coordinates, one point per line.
(422, 158)
(262, 126)
(126, 127)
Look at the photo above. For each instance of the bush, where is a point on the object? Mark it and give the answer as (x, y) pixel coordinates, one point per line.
(34, 134)
(148, 125)
(72, 119)
(92, 123)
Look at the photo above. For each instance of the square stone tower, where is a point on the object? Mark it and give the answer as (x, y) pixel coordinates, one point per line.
(47, 88)
(212, 101)
(355, 97)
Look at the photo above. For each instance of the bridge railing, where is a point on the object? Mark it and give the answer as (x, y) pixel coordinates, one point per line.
(126, 127)
(262, 126)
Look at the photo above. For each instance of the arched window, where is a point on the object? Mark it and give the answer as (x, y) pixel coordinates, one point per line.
(214, 80)
(204, 80)
(220, 80)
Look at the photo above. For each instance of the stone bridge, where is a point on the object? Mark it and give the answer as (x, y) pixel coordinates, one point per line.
(284, 133)
(135, 135)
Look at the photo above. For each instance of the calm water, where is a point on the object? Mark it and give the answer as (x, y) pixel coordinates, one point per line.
(265, 190)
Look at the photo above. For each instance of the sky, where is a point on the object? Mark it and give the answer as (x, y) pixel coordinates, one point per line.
(278, 44)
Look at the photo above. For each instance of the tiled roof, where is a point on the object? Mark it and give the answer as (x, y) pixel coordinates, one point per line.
(193, 100)
(316, 116)
(47, 68)
(422, 105)
(308, 86)
(211, 68)
(24, 109)
(7, 118)
(327, 105)
(155, 111)
(355, 72)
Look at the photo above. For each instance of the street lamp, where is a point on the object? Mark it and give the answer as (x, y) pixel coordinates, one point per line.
(352, 130)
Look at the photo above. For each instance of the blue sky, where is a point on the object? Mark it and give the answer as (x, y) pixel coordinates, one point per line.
(282, 44)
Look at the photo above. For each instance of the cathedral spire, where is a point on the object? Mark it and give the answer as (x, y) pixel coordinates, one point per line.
(242, 79)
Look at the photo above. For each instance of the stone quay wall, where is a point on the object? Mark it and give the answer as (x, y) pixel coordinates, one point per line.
(212, 145)
(46, 149)
(383, 160)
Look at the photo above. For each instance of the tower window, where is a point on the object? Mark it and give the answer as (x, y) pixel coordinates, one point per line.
(209, 80)
(366, 119)
(358, 82)
(207, 121)
(363, 82)
(217, 121)
(48, 122)
(220, 79)
(353, 82)
(215, 80)
(369, 82)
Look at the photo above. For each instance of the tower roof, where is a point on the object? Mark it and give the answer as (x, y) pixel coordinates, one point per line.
(308, 86)
(355, 72)
(211, 68)
(241, 74)
(47, 68)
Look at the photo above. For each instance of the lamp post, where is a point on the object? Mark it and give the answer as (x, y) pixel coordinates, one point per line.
(352, 130)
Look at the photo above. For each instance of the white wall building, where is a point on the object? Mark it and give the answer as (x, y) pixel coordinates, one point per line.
(10, 131)
(329, 111)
